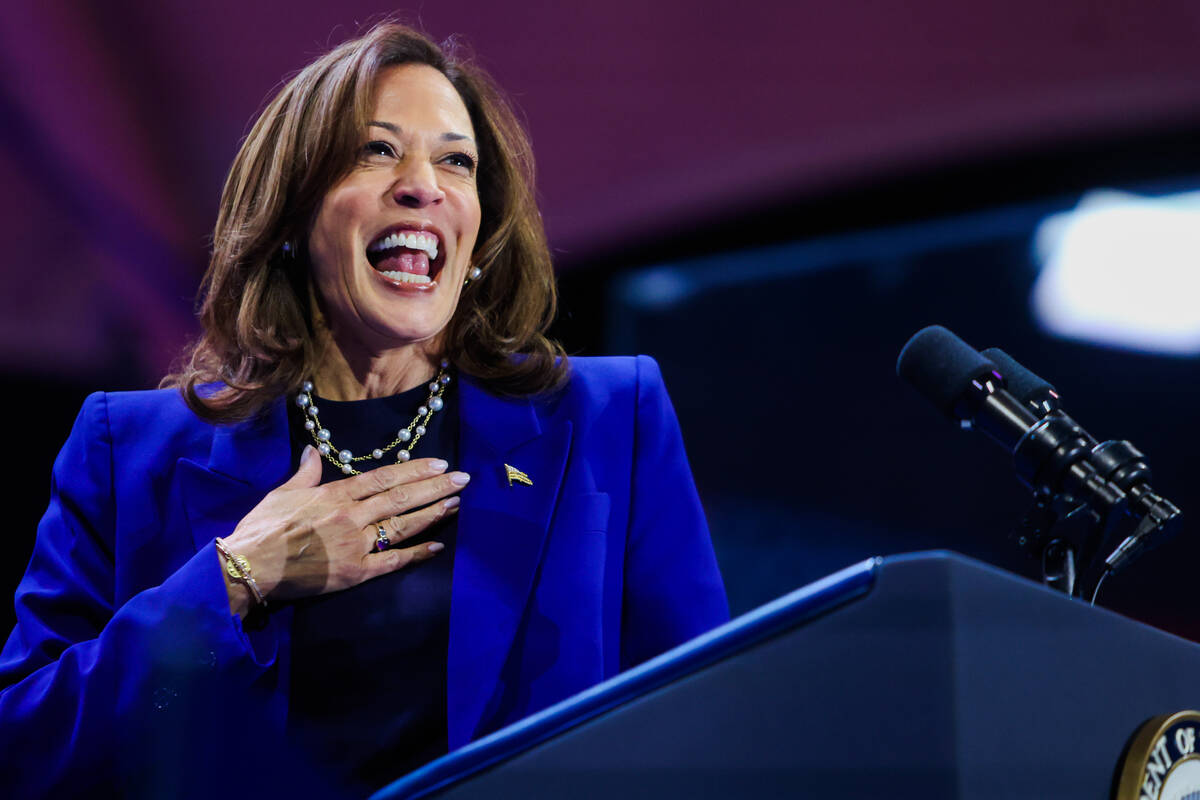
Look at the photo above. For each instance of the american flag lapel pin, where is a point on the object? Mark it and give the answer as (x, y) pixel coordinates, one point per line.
(514, 474)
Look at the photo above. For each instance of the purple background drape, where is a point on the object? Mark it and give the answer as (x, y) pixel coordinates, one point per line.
(118, 120)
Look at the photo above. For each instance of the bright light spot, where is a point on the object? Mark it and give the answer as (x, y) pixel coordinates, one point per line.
(1123, 270)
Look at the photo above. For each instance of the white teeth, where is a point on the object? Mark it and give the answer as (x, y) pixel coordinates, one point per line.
(413, 241)
(407, 277)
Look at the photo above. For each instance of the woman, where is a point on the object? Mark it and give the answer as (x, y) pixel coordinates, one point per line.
(274, 548)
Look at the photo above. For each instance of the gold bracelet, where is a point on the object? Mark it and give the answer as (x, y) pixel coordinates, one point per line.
(238, 567)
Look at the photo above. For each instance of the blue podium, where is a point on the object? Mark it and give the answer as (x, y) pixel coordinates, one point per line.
(925, 676)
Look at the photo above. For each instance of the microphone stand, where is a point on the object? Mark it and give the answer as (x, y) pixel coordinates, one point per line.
(1080, 542)
(1069, 539)
(1080, 516)
(1094, 511)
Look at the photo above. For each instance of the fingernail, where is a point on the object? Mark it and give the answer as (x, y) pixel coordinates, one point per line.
(450, 502)
(437, 465)
(435, 547)
(460, 479)
(308, 452)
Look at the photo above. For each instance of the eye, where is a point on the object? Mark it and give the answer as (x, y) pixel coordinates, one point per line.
(461, 160)
(378, 148)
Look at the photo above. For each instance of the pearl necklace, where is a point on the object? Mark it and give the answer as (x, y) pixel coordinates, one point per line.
(408, 436)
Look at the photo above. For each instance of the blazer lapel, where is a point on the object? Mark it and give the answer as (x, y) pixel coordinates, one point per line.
(501, 531)
(246, 461)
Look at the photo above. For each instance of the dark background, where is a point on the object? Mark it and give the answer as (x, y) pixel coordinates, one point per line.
(769, 198)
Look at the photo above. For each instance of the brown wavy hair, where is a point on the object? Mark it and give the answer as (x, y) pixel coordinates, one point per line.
(258, 340)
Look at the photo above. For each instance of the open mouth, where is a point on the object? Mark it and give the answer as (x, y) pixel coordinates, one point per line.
(407, 256)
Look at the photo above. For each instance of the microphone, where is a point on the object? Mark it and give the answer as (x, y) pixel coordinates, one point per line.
(1117, 461)
(1050, 452)
(1039, 395)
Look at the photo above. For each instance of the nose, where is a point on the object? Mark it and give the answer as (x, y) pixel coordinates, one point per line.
(416, 185)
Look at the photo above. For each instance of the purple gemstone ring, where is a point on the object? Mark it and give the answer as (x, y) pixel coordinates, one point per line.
(382, 542)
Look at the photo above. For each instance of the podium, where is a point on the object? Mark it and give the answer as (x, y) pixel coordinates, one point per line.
(927, 675)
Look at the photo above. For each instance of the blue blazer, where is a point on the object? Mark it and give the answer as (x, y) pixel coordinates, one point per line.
(126, 669)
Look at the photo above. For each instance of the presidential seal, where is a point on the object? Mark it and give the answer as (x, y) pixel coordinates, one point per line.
(1161, 762)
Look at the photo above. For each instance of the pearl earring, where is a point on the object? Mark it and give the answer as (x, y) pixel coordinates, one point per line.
(473, 275)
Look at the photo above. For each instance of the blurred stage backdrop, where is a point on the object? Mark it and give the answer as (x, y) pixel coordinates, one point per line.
(769, 197)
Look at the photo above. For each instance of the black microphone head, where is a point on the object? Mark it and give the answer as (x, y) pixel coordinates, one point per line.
(1023, 384)
(941, 366)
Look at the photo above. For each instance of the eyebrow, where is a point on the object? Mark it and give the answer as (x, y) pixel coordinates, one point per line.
(449, 136)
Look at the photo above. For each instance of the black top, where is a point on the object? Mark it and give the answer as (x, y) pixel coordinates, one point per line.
(368, 674)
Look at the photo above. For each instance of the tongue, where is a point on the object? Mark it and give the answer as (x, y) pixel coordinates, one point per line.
(405, 261)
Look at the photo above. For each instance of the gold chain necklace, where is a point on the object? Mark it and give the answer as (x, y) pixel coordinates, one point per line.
(407, 436)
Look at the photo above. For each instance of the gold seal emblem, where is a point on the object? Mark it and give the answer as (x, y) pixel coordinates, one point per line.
(1161, 762)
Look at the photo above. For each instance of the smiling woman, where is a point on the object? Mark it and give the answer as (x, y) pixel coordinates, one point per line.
(392, 241)
(377, 513)
(386, 130)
